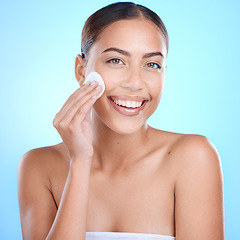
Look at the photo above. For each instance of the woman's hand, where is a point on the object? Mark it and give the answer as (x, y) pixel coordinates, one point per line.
(73, 121)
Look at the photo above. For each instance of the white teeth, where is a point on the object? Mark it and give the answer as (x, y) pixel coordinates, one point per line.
(129, 104)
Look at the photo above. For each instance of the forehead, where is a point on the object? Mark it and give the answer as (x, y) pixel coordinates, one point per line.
(140, 35)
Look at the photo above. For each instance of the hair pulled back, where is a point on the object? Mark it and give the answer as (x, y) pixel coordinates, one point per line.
(105, 16)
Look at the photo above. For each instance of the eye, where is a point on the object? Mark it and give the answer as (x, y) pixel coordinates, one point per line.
(115, 61)
(154, 65)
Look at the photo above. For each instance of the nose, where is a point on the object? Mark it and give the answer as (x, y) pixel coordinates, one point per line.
(133, 80)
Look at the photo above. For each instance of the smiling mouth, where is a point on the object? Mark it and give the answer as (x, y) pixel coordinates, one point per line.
(127, 104)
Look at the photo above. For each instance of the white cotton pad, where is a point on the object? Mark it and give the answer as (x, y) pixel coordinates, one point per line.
(94, 76)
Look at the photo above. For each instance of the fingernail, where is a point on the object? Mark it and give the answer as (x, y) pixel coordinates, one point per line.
(87, 83)
(94, 96)
(93, 83)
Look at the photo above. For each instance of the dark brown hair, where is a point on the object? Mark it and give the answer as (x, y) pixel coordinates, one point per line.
(105, 16)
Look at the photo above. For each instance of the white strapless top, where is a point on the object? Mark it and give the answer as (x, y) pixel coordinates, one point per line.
(125, 236)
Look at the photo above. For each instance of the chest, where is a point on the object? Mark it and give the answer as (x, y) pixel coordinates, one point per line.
(142, 201)
(139, 200)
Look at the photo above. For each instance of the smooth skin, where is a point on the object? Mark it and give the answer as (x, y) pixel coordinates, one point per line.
(115, 173)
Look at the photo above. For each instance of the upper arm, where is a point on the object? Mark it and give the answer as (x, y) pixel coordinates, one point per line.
(199, 192)
(36, 204)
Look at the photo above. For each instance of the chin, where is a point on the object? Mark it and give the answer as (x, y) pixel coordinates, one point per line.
(126, 129)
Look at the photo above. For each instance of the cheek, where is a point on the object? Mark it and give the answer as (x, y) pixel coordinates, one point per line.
(155, 88)
(107, 76)
(110, 79)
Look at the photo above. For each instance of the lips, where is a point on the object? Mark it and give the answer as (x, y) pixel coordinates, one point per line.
(128, 105)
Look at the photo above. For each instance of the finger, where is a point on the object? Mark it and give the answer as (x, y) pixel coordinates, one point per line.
(77, 94)
(74, 99)
(61, 113)
(82, 115)
(83, 105)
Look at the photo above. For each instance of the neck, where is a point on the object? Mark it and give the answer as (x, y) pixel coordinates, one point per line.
(115, 152)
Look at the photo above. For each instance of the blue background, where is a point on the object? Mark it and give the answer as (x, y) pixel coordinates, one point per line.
(38, 44)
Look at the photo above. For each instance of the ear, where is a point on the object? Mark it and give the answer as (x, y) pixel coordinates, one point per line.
(79, 69)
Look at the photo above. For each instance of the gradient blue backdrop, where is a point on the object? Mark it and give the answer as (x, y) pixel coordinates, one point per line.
(38, 44)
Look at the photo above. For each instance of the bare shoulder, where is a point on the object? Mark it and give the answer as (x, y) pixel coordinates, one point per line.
(36, 171)
(198, 188)
(187, 149)
(197, 151)
(200, 143)
(40, 153)
(195, 166)
(193, 155)
(38, 168)
(43, 159)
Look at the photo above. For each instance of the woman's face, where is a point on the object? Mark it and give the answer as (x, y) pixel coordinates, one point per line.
(130, 55)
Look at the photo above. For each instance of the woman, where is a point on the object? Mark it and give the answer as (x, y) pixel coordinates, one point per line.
(113, 176)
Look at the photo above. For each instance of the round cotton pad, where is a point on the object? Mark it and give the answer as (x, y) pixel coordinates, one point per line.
(94, 76)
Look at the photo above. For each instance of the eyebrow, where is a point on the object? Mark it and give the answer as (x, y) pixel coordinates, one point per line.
(113, 49)
(152, 54)
(123, 52)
